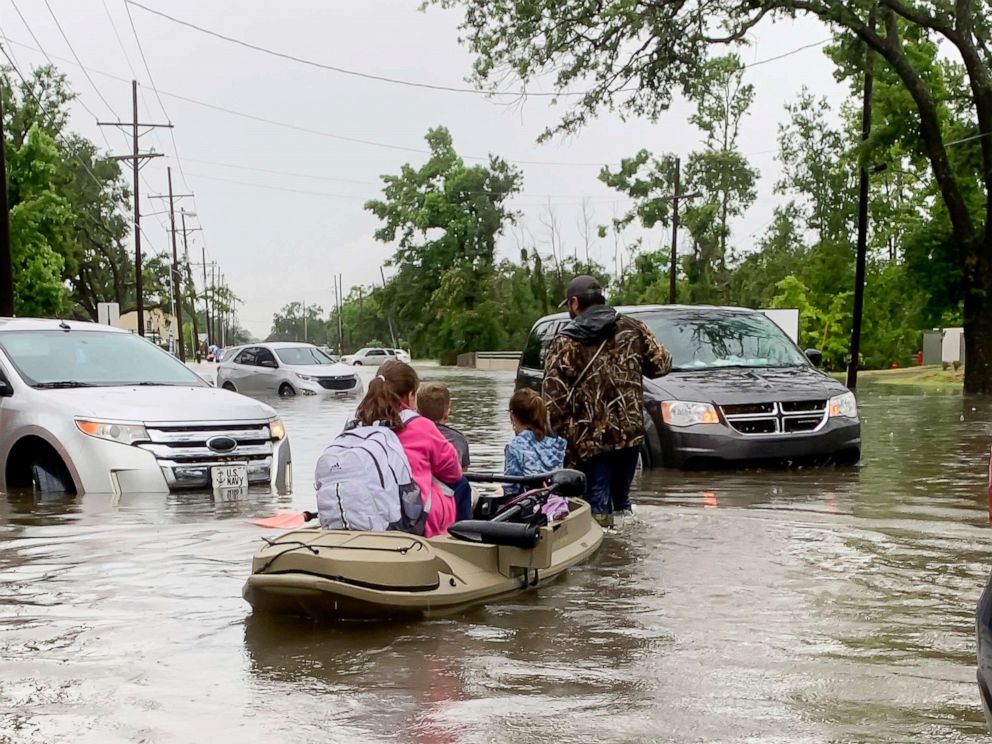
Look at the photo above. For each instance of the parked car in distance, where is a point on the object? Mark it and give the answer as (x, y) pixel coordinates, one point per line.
(287, 369)
(740, 391)
(91, 408)
(373, 356)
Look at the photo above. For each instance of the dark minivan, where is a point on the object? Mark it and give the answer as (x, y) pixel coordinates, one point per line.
(740, 391)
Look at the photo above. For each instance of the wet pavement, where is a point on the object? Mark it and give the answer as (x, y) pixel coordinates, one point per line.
(822, 605)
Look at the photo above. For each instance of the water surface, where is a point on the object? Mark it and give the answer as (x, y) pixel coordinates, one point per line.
(820, 605)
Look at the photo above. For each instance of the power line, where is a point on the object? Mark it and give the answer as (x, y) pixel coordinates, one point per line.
(120, 42)
(412, 83)
(76, 57)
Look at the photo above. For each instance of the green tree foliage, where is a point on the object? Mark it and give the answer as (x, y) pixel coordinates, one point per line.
(40, 221)
(630, 56)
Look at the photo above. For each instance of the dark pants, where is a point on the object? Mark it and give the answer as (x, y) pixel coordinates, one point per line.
(463, 499)
(608, 477)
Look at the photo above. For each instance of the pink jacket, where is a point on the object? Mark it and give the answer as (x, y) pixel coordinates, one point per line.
(432, 456)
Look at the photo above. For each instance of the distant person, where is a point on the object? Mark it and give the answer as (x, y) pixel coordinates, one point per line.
(390, 398)
(593, 387)
(434, 403)
(533, 449)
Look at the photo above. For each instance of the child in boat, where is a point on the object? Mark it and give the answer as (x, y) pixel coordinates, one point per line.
(431, 456)
(534, 449)
(434, 402)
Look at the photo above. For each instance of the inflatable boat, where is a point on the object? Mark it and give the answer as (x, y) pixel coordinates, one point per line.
(338, 574)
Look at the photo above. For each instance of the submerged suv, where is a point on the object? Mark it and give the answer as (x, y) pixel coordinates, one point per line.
(90, 408)
(740, 391)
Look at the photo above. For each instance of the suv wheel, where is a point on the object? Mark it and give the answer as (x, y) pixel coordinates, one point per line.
(356, 364)
(229, 386)
(286, 390)
(49, 475)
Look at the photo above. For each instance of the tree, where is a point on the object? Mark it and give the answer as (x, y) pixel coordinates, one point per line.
(445, 217)
(298, 323)
(40, 221)
(634, 53)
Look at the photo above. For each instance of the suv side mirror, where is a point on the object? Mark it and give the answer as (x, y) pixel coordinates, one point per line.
(815, 356)
(268, 363)
(6, 389)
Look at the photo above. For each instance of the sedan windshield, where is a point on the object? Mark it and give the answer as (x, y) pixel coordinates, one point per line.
(710, 340)
(63, 359)
(303, 356)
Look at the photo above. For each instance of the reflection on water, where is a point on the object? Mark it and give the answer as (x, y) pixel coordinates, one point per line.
(811, 605)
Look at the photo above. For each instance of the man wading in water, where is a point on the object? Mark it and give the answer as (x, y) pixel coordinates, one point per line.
(594, 392)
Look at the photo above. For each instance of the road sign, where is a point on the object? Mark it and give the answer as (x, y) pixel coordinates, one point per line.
(108, 313)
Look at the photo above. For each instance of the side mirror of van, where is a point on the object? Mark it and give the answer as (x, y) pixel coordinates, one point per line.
(815, 356)
(6, 389)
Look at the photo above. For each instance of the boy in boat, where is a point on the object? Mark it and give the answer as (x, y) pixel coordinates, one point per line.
(434, 403)
(534, 449)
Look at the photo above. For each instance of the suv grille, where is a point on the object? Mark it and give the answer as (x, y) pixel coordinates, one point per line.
(785, 417)
(185, 459)
(338, 383)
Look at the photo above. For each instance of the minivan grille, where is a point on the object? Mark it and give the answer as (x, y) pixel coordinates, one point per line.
(783, 417)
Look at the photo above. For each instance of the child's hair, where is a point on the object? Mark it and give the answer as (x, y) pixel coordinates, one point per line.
(529, 409)
(386, 393)
(433, 400)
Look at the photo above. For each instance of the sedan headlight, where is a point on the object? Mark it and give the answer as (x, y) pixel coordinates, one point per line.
(121, 433)
(308, 378)
(844, 404)
(276, 429)
(687, 413)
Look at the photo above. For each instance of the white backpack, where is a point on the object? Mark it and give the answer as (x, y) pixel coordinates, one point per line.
(363, 482)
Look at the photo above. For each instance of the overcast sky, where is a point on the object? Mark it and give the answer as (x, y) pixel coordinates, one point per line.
(280, 237)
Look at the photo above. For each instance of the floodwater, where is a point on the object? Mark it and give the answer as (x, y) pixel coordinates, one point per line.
(822, 605)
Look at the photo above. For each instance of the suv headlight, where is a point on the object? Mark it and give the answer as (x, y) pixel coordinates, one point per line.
(276, 429)
(844, 404)
(687, 413)
(121, 433)
(308, 378)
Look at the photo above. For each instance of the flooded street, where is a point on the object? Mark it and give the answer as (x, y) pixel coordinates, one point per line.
(822, 605)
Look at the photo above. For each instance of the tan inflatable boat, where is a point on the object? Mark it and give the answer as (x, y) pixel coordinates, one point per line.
(335, 574)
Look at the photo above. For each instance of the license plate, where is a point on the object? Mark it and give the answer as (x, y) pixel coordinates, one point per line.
(230, 480)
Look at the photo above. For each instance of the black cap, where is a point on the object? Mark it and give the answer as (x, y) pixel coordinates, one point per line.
(583, 286)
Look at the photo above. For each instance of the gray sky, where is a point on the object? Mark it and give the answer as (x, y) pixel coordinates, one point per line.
(281, 237)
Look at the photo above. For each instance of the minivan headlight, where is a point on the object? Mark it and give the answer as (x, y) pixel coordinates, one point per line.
(687, 413)
(276, 429)
(121, 433)
(844, 404)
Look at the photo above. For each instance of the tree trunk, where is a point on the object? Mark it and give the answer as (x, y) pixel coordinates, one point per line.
(978, 319)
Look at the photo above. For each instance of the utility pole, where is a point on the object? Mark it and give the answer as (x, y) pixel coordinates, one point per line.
(340, 293)
(675, 199)
(135, 157)
(6, 261)
(389, 317)
(859, 271)
(206, 297)
(189, 277)
(176, 279)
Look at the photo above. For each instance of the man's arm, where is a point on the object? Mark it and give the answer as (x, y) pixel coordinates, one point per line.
(657, 360)
(557, 381)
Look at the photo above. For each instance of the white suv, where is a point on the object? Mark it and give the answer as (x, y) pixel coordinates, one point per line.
(374, 356)
(90, 408)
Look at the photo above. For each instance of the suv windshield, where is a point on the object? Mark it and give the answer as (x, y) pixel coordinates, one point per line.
(92, 358)
(710, 339)
(303, 355)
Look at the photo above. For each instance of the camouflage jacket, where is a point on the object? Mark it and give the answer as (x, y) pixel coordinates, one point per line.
(593, 381)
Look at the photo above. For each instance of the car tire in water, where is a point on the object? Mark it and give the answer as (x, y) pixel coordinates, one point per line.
(286, 390)
(229, 386)
(50, 476)
(356, 364)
